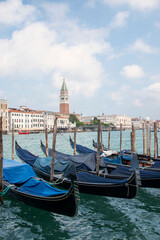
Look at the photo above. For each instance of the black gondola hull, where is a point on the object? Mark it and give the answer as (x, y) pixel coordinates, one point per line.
(64, 204)
(127, 190)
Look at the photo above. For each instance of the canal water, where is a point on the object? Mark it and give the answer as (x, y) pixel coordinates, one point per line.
(98, 217)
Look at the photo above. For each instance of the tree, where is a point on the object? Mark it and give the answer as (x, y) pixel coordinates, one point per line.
(73, 118)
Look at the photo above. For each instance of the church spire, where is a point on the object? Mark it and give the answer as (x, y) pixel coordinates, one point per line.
(64, 87)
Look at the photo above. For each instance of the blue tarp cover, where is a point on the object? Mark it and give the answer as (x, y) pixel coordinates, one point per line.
(117, 160)
(40, 188)
(90, 178)
(85, 162)
(126, 157)
(156, 164)
(44, 165)
(26, 156)
(144, 173)
(16, 172)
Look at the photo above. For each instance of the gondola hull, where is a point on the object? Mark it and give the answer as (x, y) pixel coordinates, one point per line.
(127, 190)
(150, 177)
(64, 204)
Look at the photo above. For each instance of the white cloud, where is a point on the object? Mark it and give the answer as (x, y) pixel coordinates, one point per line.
(152, 92)
(135, 4)
(119, 95)
(13, 12)
(140, 46)
(119, 20)
(155, 78)
(56, 12)
(132, 71)
(137, 103)
(56, 48)
(36, 50)
(157, 24)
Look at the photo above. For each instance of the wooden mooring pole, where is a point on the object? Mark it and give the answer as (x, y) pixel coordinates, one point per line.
(149, 150)
(133, 138)
(109, 137)
(1, 159)
(101, 138)
(155, 139)
(75, 131)
(53, 150)
(46, 134)
(157, 143)
(144, 144)
(147, 137)
(12, 140)
(120, 136)
(98, 148)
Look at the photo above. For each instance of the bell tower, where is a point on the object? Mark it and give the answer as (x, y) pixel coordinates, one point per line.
(64, 99)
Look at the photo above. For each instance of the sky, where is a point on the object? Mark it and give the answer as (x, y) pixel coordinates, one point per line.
(108, 51)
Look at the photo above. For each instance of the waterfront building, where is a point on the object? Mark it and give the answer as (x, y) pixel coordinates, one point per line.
(138, 123)
(4, 114)
(64, 99)
(116, 120)
(87, 119)
(49, 118)
(62, 121)
(25, 118)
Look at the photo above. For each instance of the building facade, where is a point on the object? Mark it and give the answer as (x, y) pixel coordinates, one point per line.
(33, 120)
(62, 121)
(4, 114)
(25, 118)
(64, 99)
(116, 120)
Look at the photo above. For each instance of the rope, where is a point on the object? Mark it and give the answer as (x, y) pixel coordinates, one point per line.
(5, 191)
(58, 181)
(76, 189)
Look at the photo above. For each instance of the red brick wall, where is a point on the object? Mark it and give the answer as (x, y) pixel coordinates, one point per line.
(64, 108)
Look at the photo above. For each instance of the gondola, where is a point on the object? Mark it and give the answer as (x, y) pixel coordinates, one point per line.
(122, 157)
(95, 146)
(124, 152)
(88, 182)
(119, 165)
(112, 157)
(24, 185)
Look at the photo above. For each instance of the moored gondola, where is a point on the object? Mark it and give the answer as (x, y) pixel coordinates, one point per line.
(89, 182)
(95, 146)
(119, 165)
(24, 185)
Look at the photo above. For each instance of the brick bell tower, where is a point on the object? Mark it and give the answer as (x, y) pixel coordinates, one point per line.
(64, 99)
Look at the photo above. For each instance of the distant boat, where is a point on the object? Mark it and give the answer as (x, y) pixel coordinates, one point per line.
(23, 131)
